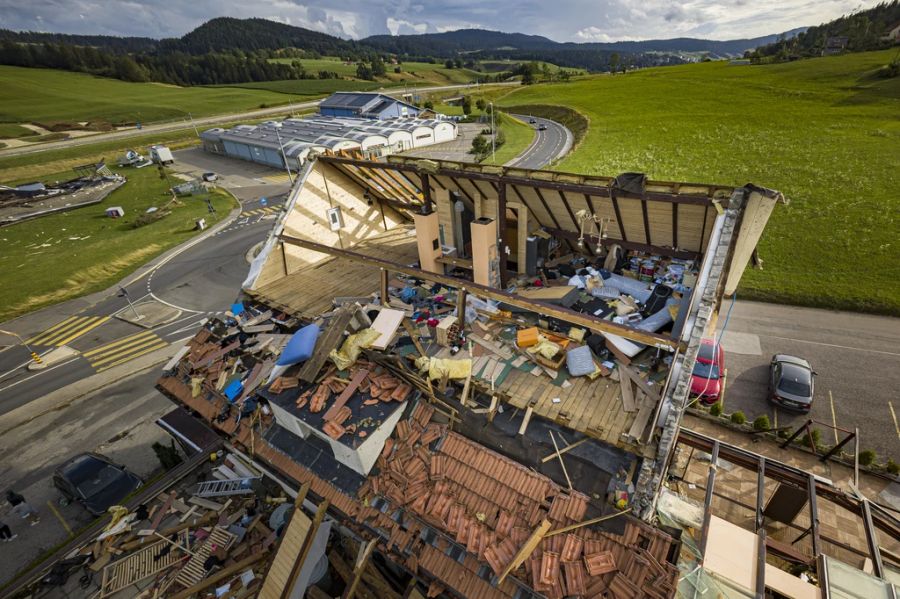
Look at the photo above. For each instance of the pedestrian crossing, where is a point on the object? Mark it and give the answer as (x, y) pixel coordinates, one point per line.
(123, 350)
(68, 330)
(260, 211)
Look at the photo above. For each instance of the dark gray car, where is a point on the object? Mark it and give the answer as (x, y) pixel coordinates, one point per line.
(95, 482)
(791, 383)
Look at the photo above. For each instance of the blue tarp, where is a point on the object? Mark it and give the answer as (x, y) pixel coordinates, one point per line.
(300, 347)
(233, 390)
(237, 309)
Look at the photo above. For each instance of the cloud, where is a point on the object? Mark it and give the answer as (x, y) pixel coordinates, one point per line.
(561, 20)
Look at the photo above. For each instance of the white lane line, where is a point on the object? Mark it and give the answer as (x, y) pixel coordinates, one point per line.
(39, 373)
(191, 326)
(833, 417)
(894, 416)
(162, 301)
(873, 351)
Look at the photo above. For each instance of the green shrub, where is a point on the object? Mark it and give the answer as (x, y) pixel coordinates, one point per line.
(738, 417)
(816, 435)
(867, 457)
(168, 455)
(716, 409)
(762, 423)
(893, 467)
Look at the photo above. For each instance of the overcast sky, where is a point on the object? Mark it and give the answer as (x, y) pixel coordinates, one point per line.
(561, 20)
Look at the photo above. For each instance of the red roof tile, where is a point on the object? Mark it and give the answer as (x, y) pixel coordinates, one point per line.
(574, 577)
(599, 563)
(572, 547)
(549, 567)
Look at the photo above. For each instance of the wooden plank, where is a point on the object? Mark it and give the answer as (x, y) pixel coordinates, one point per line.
(499, 350)
(346, 394)
(329, 340)
(362, 559)
(565, 449)
(205, 503)
(643, 417)
(387, 322)
(561, 462)
(627, 393)
(525, 550)
(641, 383)
(411, 330)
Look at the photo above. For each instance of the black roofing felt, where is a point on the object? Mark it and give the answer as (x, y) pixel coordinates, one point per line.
(366, 418)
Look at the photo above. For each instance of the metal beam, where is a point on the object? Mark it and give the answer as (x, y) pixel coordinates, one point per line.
(630, 245)
(707, 501)
(813, 514)
(760, 492)
(871, 540)
(596, 190)
(761, 564)
(501, 224)
(545, 308)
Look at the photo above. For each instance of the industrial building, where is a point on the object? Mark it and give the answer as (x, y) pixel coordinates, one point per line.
(273, 143)
(366, 105)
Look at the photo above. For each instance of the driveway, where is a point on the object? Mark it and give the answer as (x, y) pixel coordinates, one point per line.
(857, 357)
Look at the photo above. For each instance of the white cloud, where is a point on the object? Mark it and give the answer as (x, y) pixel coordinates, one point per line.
(561, 20)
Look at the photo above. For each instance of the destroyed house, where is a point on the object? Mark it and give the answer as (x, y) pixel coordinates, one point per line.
(479, 372)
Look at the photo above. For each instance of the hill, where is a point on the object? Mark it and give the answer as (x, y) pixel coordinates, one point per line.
(823, 131)
(108, 42)
(497, 44)
(860, 31)
(226, 33)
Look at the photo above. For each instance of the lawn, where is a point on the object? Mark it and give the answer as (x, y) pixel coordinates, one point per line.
(518, 134)
(411, 72)
(63, 256)
(42, 95)
(825, 132)
(9, 130)
(308, 87)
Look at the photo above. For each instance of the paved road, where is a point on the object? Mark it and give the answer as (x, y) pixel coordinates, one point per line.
(857, 357)
(200, 122)
(553, 142)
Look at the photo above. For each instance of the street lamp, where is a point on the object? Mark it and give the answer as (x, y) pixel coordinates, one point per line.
(34, 355)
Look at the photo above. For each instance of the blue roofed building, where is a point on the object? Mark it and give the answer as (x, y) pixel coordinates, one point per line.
(365, 105)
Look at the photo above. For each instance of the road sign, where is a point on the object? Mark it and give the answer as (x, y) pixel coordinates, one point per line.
(263, 201)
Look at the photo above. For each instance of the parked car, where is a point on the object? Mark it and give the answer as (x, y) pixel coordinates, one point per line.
(791, 382)
(95, 482)
(532, 120)
(210, 177)
(706, 383)
(542, 127)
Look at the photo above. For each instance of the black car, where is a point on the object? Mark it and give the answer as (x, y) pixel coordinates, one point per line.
(95, 482)
(532, 120)
(791, 382)
(542, 127)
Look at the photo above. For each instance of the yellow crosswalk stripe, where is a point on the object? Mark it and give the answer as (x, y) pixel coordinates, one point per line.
(71, 321)
(82, 331)
(125, 349)
(68, 330)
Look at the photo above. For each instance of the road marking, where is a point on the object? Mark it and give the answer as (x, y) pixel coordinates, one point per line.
(38, 373)
(833, 417)
(68, 330)
(123, 350)
(894, 416)
(874, 351)
(60, 517)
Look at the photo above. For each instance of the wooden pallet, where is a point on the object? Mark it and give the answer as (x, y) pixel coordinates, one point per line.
(140, 565)
(193, 571)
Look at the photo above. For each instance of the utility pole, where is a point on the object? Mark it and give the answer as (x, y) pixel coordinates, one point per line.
(493, 135)
(284, 157)
(190, 116)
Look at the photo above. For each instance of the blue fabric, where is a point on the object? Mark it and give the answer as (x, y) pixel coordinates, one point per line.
(580, 361)
(237, 308)
(300, 347)
(233, 390)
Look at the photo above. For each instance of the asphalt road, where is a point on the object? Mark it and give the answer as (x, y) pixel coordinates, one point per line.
(548, 145)
(857, 357)
(201, 122)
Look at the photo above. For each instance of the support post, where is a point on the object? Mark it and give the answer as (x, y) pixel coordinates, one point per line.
(813, 514)
(501, 233)
(760, 492)
(837, 447)
(796, 434)
(871, 540)
(760, 562)
(384, 288)
(461, 308)
(710, 484)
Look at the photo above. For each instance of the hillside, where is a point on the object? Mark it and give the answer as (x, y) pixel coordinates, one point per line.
(824, 131)
(863, 31)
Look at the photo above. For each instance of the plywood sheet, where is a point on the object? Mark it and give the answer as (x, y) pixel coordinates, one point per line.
(387, 322)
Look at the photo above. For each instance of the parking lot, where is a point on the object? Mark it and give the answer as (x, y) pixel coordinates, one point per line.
(857, 358)
(246, 180)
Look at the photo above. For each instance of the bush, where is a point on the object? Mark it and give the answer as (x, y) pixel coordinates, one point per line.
(762, 423)
(893, 467)
(716, 409)
(168, 455)
(816, 435)
(738, 417)
(867, 457)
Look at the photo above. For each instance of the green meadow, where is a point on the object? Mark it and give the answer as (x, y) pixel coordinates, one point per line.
(825, 132)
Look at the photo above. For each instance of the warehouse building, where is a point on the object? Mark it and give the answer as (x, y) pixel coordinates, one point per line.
(366, 105)
(275, 142)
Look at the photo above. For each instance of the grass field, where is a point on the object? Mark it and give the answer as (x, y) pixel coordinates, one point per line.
(9, 130)
(518, 136)
(49, 95)
(420, 72)
(62, 256)
(307, 87)
(825, 132)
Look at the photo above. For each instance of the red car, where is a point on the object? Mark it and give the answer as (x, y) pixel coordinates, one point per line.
(706, 384)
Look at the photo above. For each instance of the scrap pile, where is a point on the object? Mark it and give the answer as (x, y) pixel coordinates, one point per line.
(184, 542)
(508, 517)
